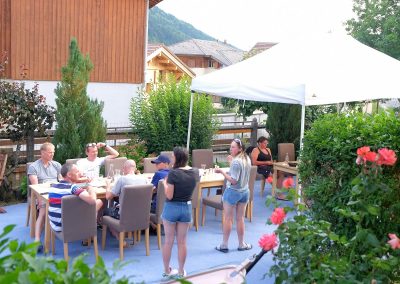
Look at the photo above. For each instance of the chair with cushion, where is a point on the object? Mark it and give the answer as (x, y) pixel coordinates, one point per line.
(28, 195)
(214, 201)
(202, 156)
(134, 215)
(78, 223)
(148, 166)
(118, 164)
(155, 218)
(284, 148)
(196, 198)
(72, 161)
(252, 181)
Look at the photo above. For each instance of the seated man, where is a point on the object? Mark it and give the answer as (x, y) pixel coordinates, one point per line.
(42, 171)
(162, 164)
(129, 178)
(90, 167)
(70, 175)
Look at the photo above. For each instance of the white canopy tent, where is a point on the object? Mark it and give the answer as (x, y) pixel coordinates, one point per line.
(312, 70)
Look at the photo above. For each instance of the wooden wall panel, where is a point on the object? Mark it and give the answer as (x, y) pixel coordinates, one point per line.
(111, 32)
(5, 33)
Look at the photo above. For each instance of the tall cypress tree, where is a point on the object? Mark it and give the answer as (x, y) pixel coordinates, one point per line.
(79, 118)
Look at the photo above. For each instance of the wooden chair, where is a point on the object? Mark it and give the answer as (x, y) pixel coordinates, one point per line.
(252, 181)
(28, 195)
(148, 166)
(155, 218)
(134, 215)
(78, 223)
(3, 164)
(117, 162)
(214, 201)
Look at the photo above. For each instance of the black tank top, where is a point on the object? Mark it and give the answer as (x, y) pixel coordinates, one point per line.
(262, 157)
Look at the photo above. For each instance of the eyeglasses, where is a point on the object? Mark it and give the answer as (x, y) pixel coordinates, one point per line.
(91, 145)
(238, 141)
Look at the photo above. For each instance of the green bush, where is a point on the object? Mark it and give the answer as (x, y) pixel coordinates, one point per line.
(161, 118)
(328, 165)
(134, 150)
(19, 264)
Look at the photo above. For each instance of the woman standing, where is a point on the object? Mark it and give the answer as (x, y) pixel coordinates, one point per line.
(262, 158)
(236, 195)
(177, 214)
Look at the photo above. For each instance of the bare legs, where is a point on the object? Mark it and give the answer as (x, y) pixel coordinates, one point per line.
(228, 221)
(181, 235)
(40, 220)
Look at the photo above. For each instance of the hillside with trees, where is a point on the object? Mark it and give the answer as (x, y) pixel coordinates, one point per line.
(167, 29)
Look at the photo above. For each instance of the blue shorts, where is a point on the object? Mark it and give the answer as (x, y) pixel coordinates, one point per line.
(233, 197)
(177, 211)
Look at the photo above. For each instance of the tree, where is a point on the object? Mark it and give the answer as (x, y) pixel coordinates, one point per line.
(160, 118)
(377, 25)
(79, 118)
(23, 111)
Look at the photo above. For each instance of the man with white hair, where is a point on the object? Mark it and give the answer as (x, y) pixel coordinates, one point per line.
(129, 178)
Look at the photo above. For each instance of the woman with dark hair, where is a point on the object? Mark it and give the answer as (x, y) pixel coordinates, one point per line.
(262, 158)
(236, 195)
(177, 214)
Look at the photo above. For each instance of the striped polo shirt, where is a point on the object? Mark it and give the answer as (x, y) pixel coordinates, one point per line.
(56, 192)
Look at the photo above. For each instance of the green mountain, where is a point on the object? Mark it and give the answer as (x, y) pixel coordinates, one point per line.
(167, 29)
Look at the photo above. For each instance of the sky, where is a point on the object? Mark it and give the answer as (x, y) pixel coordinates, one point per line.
(243, 23)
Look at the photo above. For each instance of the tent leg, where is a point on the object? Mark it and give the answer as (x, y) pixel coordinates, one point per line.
(190, 121)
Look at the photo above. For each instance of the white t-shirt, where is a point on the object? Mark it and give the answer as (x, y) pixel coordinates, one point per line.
(91, 169)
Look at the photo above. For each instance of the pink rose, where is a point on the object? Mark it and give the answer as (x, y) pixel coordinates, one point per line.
(268, 242)
(278, 216)
(362, 151)
(394, 241)
(288, 183)
(270, 179)
(386, 157)
(370, 156)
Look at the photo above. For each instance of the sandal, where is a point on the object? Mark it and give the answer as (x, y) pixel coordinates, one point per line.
(245, 247)
(281, 197)
(222, 249)
(171, 274)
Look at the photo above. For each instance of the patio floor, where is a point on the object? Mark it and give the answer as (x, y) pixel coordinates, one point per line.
(201, 253)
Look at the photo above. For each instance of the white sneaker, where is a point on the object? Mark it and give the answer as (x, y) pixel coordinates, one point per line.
(180, 276)
(172, 273)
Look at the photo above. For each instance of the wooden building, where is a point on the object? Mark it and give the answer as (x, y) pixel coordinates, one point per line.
(162, 62)
(37, 33)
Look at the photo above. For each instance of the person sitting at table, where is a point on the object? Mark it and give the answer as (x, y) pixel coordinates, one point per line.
(262, 158)
(162, 164)
(129, 178)
(90, 167)
(41, 171)
(67, 186)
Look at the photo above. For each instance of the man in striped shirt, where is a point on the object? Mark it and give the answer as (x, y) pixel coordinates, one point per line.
(68, 186)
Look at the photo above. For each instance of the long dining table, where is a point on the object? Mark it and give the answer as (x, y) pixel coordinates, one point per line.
(210, 179)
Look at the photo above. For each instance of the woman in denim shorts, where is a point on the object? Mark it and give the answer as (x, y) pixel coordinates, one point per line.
(236, 195)
(177, 213)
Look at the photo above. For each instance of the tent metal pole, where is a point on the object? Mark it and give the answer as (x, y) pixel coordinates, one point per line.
(303, 115)
(190, 121)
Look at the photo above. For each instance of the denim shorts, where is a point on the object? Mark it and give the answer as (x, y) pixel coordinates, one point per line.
(177, 211)
(233, 197)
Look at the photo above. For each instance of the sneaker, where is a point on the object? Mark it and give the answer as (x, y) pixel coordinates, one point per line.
(181, 276)
(172, 273)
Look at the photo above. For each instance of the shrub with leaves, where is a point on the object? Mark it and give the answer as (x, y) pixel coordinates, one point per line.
(134, 150)
(161, 118)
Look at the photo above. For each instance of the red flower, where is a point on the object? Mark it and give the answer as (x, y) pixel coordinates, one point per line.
(278, 216)
(268, 242)
(288, 183)
(270, 179)
(362, 151)
(370, 156)
(394, 241)
(386, 157)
